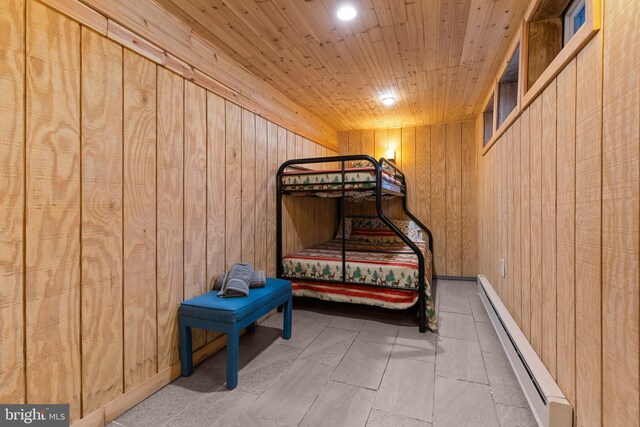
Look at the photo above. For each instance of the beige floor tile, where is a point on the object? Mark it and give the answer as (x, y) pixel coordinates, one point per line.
(378, 331)
(407, 389)
(456, 325)
(508, 394)
(460, 359)
(273, 321)
(456, 286)
(251, 347)
(249, 420)
(220, 408)
(290, 396)
(364, 364)
(461, 404)
(340, 405)
(411, 344)
(455, 302)
(330, 346)
(499, 369)
(511, 416)
(283, 382)
(262, 337)
(477, 308)
(489, 341)
(258, 374)
(378, 418)
(349, 323)
(168, 402)
(504, 384)
(307, 313)
(304, 330)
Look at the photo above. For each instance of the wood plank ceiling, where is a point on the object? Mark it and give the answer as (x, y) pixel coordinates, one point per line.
(437, 57)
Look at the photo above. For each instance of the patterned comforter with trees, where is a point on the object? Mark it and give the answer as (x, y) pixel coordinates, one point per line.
(324, 262)
(362, 269)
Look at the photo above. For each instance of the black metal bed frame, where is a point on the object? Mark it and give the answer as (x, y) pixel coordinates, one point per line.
(379, 192)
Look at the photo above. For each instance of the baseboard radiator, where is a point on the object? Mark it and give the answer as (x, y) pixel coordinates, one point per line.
(548, 403)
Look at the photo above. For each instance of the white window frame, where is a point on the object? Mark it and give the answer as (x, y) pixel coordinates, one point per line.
(568, 19)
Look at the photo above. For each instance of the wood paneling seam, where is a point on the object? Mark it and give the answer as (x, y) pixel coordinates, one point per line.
(446, 211)
(555, 219)
(184, 181)
(156, 70)
(24, 201)
(462, 203)
(240, 178)
(602, 296)
(122, 208)
(206, 196)
(80, 143)
(575, 234)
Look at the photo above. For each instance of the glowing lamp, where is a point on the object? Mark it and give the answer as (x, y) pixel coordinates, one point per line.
(391, 155)
(346, 12)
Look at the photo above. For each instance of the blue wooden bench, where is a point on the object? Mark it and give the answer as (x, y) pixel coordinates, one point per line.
(231, 315)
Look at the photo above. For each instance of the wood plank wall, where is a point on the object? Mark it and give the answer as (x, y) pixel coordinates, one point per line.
(125, 189)
(572, 279)
(12, 197)
(440, 164)
(139, 198)
(149, 26)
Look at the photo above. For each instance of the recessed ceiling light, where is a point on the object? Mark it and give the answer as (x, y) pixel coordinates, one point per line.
(388, 100)
(346, 12)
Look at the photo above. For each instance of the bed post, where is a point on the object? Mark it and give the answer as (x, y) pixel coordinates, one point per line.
(429, 236)
(417, 221)
(344, 229)
(279, 272)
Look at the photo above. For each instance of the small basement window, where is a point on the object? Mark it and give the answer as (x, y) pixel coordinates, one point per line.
(487, 122)
(574, 18)
(552, 25)
(508, 88)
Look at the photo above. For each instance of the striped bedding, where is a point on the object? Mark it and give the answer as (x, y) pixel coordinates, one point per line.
(329, 182)
(324, 262)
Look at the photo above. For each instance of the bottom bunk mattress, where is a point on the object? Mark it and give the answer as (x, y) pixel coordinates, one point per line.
(362, 269)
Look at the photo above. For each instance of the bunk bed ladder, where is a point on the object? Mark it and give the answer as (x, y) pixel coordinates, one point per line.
(422, 303)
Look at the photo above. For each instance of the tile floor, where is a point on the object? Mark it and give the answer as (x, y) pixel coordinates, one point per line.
(354, 366)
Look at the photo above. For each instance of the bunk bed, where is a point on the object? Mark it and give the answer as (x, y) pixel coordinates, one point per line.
(372, 260)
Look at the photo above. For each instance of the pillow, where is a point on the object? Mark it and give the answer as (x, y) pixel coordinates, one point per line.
(368, 164)
(372, 229)
(348, 229)
(359, 164)
(375, 235)
(410, 228)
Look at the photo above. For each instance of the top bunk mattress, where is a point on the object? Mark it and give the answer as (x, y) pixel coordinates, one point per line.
(359, 182)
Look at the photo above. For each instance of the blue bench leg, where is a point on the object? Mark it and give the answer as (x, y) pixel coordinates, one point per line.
(286, 327)
(233, 341)
(186, 358)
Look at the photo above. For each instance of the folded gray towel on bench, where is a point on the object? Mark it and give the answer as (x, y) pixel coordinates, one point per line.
(258, 280)
(237, 281)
